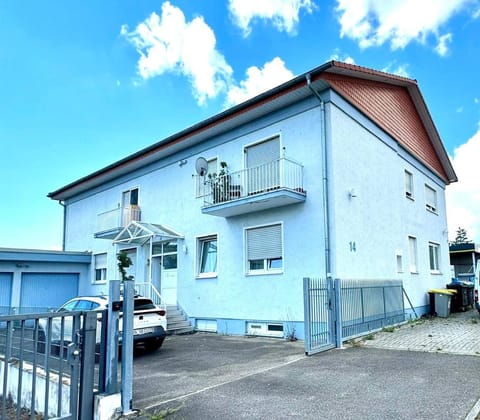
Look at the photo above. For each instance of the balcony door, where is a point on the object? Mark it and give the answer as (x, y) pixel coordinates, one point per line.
(262, 161)
(164, 270)
(130, 208)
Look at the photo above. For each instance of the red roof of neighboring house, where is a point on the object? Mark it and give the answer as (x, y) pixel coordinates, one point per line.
(393, 102)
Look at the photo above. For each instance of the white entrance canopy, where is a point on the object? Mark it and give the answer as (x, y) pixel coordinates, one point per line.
(141, 232)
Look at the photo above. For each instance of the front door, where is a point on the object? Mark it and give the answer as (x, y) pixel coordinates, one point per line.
(164, 273)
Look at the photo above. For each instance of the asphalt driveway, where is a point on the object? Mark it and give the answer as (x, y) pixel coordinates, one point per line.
(207, 376)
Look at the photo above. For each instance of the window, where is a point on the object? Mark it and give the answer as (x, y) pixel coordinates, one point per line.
(100, 264)
(408, 184)
(207, 256)
(399, 263)
(434, 254)
(430, 199)
(412, 246)
(264, 249)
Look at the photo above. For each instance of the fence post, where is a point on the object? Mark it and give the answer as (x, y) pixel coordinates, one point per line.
(127, 346)
(338, 313)
(111, 383)
(306, 311)
(88, 365)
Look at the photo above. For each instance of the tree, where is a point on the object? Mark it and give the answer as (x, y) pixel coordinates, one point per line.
(462, 237)
(124, 262)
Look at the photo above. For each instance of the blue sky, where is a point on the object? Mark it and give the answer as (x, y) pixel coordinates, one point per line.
(83, 84)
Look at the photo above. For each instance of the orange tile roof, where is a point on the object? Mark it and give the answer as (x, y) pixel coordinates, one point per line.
(390, 107)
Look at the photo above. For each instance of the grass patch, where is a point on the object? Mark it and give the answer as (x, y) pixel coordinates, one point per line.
(388, 329)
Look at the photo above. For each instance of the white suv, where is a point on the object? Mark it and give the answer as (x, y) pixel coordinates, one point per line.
(149, 322)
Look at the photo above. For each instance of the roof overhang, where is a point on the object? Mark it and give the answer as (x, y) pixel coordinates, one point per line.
(140, 233)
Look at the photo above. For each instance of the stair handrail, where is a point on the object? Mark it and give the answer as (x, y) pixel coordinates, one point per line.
(152, 292)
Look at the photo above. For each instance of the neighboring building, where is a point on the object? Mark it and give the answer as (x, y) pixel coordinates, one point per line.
(36, 281)
(464, 259)
(339, 172)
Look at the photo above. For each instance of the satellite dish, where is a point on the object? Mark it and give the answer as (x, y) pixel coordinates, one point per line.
(201, 166)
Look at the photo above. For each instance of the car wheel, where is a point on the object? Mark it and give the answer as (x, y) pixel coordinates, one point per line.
(153, 345)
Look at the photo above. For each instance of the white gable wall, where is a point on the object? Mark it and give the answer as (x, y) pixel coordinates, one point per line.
(371, 229)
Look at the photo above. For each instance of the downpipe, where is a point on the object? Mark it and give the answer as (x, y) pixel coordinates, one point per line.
(326, 215)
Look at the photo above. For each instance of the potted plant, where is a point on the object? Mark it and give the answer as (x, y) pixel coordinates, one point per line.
(220, 184)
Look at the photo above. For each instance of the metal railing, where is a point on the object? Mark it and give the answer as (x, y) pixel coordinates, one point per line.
(369, 305)
(47, 365)
(283, 173)
(148, 290)
(116, 218)
(338, 310)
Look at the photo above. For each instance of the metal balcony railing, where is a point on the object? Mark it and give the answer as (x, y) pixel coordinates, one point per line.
(117, 218)
(283, 173)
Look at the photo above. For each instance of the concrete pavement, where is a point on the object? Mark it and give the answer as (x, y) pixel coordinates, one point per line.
(207, 376)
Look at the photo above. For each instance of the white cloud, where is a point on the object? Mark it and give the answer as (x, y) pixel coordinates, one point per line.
(442, 47)
(258, 80)
(463, 197)
(168, 43)
(344, 58)
(398, 22)
(399, 70)
(284, 14)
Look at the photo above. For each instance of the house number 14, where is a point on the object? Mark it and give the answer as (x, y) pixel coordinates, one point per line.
(353, 246)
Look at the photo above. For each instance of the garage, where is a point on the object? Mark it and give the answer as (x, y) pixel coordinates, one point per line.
(5, 291)
(47, 290)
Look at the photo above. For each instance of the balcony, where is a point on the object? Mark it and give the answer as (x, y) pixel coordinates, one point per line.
(275, 184)
(111, 222)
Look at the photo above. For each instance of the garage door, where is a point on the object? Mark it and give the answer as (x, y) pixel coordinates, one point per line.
(5, 292)
(44, 291)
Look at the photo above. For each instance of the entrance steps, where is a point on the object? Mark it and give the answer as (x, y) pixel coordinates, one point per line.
(177, 322)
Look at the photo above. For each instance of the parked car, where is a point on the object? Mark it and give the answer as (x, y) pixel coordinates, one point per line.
(149, 322)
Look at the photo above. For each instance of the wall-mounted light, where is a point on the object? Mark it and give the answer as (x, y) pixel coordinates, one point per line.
(352, 194)
(182, 162)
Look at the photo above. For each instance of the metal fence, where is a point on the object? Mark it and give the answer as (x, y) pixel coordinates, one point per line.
(369, 305)
(338, 310)
(47, 365)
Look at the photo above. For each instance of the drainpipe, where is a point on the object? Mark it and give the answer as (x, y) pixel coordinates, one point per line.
(326, 216)
(64, 222)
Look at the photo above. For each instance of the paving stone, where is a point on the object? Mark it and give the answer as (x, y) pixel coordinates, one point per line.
(457, 334)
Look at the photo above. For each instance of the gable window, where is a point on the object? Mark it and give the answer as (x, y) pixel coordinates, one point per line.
(264, 249)
(207, 256)
(100, 264)
(262, 161)
(430, 199)
(408, 184)
(434, 254)
(412, 247)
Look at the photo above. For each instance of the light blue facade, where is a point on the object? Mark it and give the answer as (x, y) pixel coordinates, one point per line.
(359, 228)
